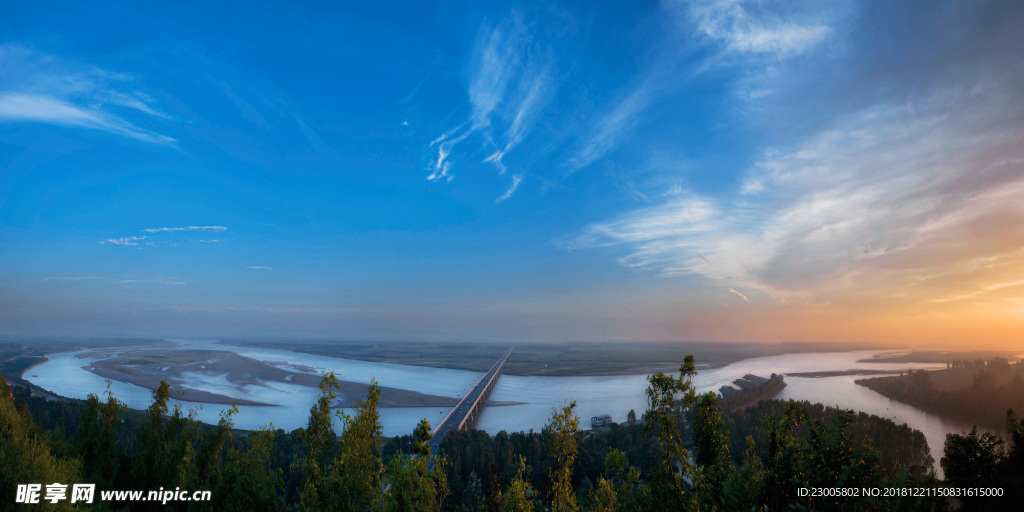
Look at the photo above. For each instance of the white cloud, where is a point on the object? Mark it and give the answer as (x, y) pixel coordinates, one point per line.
(894, 197)
(261, 268)
(509, 85)
(511, 189)
(42, 89)
(740, 295)
(741, 27)
(75, 278)
(208, 229)
(48, 109)
(751, 27)
(209, 241)
(610, 129)
(126, 240)
(168, 281)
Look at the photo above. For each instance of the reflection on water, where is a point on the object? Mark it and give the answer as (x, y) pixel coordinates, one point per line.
(614, 395)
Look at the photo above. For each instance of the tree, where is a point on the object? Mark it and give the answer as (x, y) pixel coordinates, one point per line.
(355, 478)
(1013, 463)
(25, 455)
(414, 486)
(631, 417)
(785, 453)
(970, 460)
(614, 464)
(166, 456)
(603, 497)
(661, 416)
(744, 490)
(247, 482)
(634, 495)
(713, 460)
(319, 441)
(103, 461)
(518, 496)
(973, 460)
(563, 428)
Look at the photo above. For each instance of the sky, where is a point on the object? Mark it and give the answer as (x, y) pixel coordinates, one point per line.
(532, 171)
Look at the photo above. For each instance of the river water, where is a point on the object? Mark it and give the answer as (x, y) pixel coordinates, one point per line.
(615, 395)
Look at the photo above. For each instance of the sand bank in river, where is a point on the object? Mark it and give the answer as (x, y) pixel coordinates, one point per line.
(229, 370)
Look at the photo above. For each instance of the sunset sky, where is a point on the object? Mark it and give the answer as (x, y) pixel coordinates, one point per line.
(728, 170)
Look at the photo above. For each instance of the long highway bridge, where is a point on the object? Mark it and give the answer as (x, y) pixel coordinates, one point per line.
(465, 413)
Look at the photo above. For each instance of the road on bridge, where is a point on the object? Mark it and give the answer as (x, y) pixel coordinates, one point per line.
(469, 406)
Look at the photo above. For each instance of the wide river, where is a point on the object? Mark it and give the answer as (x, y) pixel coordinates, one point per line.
(615, 394)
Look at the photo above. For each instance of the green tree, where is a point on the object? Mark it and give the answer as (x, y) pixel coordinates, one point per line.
(1013, 462)
(25, 456)
(519, 495)
(103, 461)
(166, 456)
(247, 482)
(563, 428)
(661, 417)
(785, 452)
(714, 463)
(603, 497)
(615, 464)
(745, 488)
(971, 459)
(319, 440)
(634, 494)
(413, 485)
(355, 478)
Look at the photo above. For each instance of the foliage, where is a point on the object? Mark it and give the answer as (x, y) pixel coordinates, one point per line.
(319, 442)
(25, 455)
(519, 495)
(662, 418)
(414, 485)
(564, 427)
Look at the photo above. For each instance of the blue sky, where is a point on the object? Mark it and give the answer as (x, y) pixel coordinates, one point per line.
(722, 170)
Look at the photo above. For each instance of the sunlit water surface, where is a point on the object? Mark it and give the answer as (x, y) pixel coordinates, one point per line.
(614, 395)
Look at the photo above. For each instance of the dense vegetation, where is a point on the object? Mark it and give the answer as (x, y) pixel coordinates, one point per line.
(686, 453)
(974, 391)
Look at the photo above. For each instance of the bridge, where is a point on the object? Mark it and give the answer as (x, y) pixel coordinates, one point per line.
(465, 413)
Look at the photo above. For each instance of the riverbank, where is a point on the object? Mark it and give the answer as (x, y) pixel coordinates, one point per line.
(550, 359)
(975, 391)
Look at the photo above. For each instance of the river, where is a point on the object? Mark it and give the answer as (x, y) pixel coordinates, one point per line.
(615, 395)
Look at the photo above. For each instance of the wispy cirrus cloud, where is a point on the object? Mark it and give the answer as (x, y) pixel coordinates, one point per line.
(208, 229)
(124, 241)
(613, 125)
(44, 89)
(511, 189)
(756, 27)
(148, 240)
(510, 84)
(260, 268)
(167, 281)
(740, 295)
(71, 278)
(731, 27)
(894, 201)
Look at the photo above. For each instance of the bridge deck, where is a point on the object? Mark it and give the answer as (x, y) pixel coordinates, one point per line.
(466, 411)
